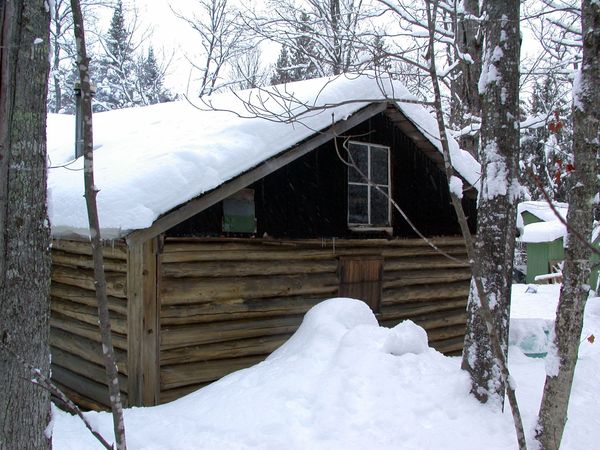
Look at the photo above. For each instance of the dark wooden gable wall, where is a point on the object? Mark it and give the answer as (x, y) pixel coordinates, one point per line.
(308, 197)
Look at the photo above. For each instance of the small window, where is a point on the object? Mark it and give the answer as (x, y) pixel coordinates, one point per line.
(368, 203)
(238, 212)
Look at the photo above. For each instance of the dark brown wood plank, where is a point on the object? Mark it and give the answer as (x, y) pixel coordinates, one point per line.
(190, 290)
(84, 368)
(202, 372)
(86, 297)
(87, 314)
(262, 266)
(74, 260)
(233, 349)
(83, 329)
(114, 249)
(84, 278)
(85, 348)
(236, 309)
(183, 336)
(144, 328)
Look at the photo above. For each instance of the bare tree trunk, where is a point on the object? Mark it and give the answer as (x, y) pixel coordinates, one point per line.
(465, 104)
(24, 231)
(499, 193)
(560, 368)
(112, 378)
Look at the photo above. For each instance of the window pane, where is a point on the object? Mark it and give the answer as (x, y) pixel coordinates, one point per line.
(379, 165)
(360, 155)
(379, 208)
(358, 208)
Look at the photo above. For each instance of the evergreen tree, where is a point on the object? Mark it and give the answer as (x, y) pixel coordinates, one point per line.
(116, 75)
(546, 155)
(296, 63)
(151, 81)
(282, 67)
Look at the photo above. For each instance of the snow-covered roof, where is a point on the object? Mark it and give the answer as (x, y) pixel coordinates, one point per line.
(549, 229)
(541, 210)
(149, 160)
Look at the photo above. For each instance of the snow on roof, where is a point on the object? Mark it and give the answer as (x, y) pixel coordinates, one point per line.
(543, 231)
(549, 229)
(149, 160)
(541, 210)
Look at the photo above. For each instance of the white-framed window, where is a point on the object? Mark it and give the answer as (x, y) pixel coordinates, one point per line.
(367, 206)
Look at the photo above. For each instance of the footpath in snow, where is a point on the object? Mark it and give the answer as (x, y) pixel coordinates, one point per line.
(341, 381)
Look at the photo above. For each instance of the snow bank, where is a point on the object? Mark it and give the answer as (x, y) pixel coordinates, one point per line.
(343, 382)
(340, 382)
(148, 160)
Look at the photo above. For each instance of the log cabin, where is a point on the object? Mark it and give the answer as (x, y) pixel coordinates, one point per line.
(227, 220)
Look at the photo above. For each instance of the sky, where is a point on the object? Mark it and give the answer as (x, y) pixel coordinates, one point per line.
(172, 38)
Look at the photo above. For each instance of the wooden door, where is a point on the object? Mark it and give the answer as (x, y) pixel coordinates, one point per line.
(361, 278)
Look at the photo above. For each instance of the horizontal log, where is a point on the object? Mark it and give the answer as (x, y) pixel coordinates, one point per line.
(208, 253)
(84, 368)
(85, 348)
(74, 260)
(399, 278)
(451, 346)
(194, 373)
(86, 297)
(189, 290)
(84, 386)
(187, 243)
(429, 322)
(236, 309)
(442, 319)
(409, 310)
(423, 262)
(408, 294)
(87, 314)
(83, 329)
(112, 249)
(223, 350)
(84, 278)
(84, 403)
(174, 394)
(450, 332)
(182, 336)
(243, 269)
(248, 255)
(459, 252)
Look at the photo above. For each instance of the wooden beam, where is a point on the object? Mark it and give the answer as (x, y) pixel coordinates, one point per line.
(143, 324)
(208, 199)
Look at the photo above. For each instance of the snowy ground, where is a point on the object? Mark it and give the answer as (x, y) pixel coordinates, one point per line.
(344, 382)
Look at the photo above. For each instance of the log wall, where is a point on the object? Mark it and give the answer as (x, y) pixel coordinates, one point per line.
(227, 303)
(77, 363)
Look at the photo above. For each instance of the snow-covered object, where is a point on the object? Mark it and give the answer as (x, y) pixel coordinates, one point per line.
(550, 229)
(543, 231)
(149, 160)
(336, 385)
(541, 210)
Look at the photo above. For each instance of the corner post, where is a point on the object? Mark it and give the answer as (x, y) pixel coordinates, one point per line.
(143, 322)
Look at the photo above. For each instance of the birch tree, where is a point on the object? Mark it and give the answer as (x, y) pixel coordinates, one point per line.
(112, 379)
(562, 358)
(498, 196)
(24, 230)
